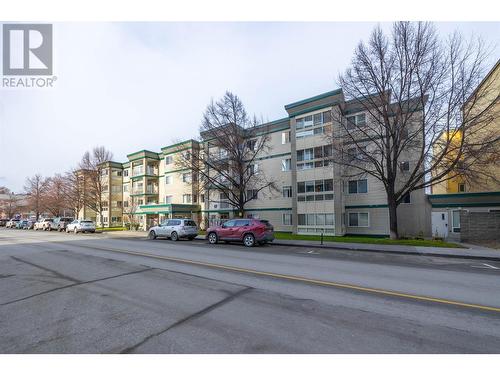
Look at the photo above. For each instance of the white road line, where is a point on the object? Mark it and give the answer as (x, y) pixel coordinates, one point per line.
(486, 266)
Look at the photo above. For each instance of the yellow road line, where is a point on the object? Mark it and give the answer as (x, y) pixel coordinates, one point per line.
(299, 278)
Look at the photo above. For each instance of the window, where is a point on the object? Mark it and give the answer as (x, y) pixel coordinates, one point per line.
(455, 221)
(300, 155)
(125, 188)
(287, 191)
(309, 186)
(301, 187)
(285, 137)
(105, 187)
(309, 154)
(318, 119)
(169, 159)
(406, 199)
(405, 166)
(299, 123)
(287, 219)
(252, 144)
(104, 219)
(125, 173)
(186, 177)
(327, 117)
(125, 204)
(168, 180)
(253, 169)
(358, 219)
(116, 189)
(308, 121)
(202, 198)
(318, 152)
(356, 121)
(140, 201)
(119, 204)
(319, 186)
(329, 184)
(230, 223)
(286, 165)
(308, 165)
(186, 198)
(328, 197)
(168, 199)
(301, 219)
(358, 186)
(252, 194)
(461, 187)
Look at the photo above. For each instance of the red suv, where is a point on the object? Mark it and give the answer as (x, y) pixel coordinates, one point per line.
(248, 231)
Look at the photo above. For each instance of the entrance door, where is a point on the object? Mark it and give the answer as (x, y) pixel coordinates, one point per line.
(440, 224)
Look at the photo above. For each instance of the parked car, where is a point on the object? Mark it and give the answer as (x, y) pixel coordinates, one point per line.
(20, 223)
(248, 231)
(3, 222)
(12, 223)
(43, 224)
(174, 229)
(78, 226)
(60, 223)
(29, 225)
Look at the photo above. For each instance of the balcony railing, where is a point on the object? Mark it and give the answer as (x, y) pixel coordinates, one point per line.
(136, 171)
(151, 171)
(152, 190)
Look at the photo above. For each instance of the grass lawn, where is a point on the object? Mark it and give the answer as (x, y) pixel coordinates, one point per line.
(362, 239)
(113, 229)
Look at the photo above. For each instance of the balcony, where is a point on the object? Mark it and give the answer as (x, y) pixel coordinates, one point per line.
(152, 189)
(137, 171)
(151, 171)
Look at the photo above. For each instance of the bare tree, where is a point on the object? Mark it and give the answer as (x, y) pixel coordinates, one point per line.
(422, 126)
(9, 205)
(73, 188)
(36, 189)
(130, 210)
(56, 199)
(228, 164)
(94, 186)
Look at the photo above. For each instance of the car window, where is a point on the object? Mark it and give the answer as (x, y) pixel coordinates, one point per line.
(242, 223)
(189, 223)
(87, 221)
(176, 222)
(230, 223)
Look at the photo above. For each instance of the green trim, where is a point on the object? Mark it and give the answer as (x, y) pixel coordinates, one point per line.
(367, 206)
(143, 175)
(176, 151)
(271, 131)
(274, 156)
(178, 170)
(170, 205)
(269, 209)
(463, 195)
(180, 143)
(145, 152)
(313, 98)
(145, 157)
(312, 109)
(444, 205)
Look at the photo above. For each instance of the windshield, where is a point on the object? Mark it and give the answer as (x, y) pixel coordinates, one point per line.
(86, 221)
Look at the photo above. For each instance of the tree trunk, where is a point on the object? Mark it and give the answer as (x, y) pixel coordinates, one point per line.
(393, 218)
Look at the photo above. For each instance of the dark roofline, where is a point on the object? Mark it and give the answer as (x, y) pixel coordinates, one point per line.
(483, 80)
(313, 98)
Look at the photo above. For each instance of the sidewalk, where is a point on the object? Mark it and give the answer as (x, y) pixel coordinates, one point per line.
(473, 252)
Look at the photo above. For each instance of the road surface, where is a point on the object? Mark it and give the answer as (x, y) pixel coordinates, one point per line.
(99, 293)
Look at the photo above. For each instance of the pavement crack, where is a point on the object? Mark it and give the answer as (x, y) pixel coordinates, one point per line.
(75, 284)
(188, 318)
(60, 275)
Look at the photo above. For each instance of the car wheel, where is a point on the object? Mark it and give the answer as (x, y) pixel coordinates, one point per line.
(212, 238)
(174, 236)
(249, 240)
(75, 230)
(152, 235)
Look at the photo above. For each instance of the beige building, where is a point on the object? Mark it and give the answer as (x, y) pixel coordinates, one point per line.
(311, 196)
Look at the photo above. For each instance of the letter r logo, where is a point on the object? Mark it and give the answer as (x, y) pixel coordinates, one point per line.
(27, 49)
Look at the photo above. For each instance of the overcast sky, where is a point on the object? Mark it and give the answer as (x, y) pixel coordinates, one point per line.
(134, 86)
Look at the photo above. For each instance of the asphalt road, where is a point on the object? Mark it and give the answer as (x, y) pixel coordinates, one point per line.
(66, 293)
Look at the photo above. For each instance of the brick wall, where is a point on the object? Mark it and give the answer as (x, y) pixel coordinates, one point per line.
(479, 226)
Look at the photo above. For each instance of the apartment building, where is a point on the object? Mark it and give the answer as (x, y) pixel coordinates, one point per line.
(458, 195)
(310, 194)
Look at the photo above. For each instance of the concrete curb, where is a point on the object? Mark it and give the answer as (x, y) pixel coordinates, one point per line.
(383, 251)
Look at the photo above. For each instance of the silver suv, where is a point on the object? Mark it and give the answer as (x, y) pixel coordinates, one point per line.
(174, 229)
